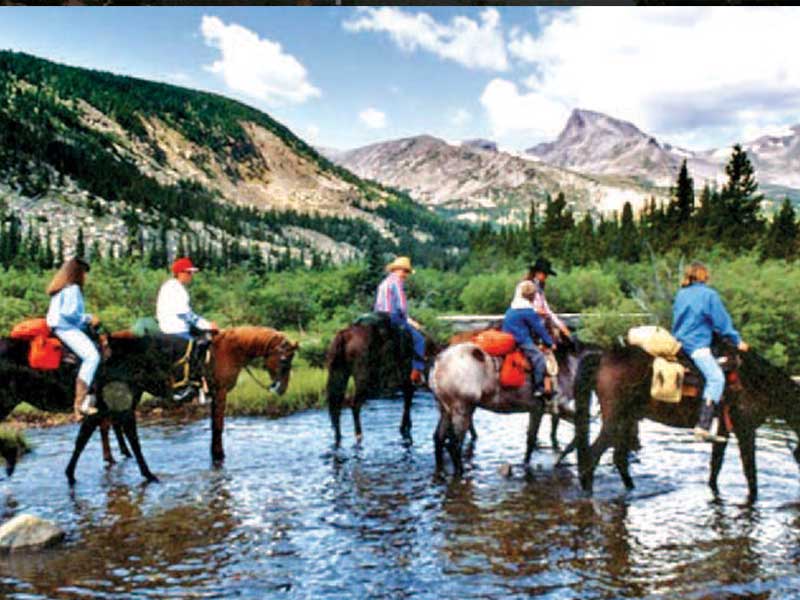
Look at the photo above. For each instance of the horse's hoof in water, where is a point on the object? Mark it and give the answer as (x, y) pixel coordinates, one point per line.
(71, 479)
(506, 470)
(359, 439)
(151, 478)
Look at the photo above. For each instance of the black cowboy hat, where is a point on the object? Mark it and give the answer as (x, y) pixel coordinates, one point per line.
(542, 265)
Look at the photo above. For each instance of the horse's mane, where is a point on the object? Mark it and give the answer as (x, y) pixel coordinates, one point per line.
(761, 371)
(251, 338)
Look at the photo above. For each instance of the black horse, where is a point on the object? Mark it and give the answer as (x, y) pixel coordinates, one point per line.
(134, 364)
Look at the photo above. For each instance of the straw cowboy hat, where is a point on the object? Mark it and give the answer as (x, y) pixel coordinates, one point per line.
(401, 262)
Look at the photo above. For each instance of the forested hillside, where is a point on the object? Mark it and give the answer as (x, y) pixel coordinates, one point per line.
(137, 166)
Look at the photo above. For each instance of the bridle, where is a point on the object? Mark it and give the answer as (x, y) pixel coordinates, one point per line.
(284, 365)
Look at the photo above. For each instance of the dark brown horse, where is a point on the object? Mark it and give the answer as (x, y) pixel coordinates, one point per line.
(233, 350)
(134, 362)
(621, 379)
(378, 358)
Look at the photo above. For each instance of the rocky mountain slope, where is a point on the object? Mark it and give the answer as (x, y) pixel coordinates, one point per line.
(122, 157)
(598, 144)
(476, 181)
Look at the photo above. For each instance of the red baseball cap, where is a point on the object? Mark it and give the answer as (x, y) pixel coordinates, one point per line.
(183, 264)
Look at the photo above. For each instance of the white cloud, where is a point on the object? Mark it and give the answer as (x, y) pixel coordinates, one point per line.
(312, 133)
(460, 117)
(254, 66)
(533, 113)
(373, 118)
(681, 73)
(473, 44)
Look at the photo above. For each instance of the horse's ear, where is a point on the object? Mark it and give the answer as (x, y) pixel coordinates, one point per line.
(295, 345)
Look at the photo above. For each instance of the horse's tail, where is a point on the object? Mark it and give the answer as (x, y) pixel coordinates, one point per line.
(338, 375)
(584, 384)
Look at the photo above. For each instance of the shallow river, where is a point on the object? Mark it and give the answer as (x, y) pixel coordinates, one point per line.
(287, 516)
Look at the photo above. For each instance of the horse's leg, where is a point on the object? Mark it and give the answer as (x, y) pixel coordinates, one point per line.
(88, 425)
(123, 447)
(534, 422)
(108, 457)
(405, 424)
(336, 389)
(459, 425)
(747, 451)
(717, 456)
(129, 428)
(554, 419)
(621, 453)
(217, 425)
(472, 433)
(439, 436)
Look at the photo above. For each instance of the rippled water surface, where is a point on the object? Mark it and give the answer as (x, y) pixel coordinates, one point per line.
(289, 516)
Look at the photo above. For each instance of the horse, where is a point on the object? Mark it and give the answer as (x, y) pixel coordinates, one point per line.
(378, 357)
(620, 377)
(569, 352)
(465, 377)
(133, 362)
(232, 350)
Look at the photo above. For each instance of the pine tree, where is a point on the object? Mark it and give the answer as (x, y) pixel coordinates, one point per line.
(59, 249)
(628, 243)
(781, 238)
(740, 203)
(80, 244)
(681, 205)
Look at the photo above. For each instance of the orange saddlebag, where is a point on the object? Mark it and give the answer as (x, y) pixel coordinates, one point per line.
(44, 353)
(29, 329)
(495, 343)
(514, 370)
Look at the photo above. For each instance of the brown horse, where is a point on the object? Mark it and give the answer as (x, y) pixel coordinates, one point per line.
(233, 350)
(465, 378)
(378, 358)
(621, 379)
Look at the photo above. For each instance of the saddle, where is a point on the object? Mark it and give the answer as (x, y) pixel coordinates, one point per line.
(675, 375)
(512, 365)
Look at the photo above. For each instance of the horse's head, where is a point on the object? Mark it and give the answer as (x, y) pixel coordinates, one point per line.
(278, 362)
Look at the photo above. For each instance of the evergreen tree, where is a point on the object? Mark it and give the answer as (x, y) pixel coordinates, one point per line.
(80, 244)
(681, 205)
(740, 203)
(781, 238)
(628, 243)
(59, 249)
(534, 233)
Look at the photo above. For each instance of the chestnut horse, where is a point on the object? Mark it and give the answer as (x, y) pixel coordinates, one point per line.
(378, 357)
(232, 350)
(621, 379)
(465, 378)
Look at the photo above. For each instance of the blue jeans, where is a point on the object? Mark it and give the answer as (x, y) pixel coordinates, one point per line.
(538, 362)
(80, 344)
(715, 378)
(418, 341)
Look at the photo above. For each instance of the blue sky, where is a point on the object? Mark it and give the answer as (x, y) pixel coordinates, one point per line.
(344, 77)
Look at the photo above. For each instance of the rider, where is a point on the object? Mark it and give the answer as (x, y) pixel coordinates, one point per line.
(68, 320)
(538, 273)
(176, 317)
(697, 312)
(522, 321)
(391, 299)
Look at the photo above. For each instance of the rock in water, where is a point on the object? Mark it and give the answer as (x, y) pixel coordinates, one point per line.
(28, 532)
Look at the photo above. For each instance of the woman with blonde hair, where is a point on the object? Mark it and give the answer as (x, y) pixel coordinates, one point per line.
(68, 319)
(697, 313)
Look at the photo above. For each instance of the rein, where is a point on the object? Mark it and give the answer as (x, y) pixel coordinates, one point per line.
(253, 377)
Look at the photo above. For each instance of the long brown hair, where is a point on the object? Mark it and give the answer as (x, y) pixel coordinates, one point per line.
(695, 272)
(72, 271)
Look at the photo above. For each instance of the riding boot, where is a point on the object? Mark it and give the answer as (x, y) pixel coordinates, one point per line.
(84, 402)
(707, 424)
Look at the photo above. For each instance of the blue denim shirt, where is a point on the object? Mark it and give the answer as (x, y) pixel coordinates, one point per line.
(697, 312)
(67, 309)
(520, 322)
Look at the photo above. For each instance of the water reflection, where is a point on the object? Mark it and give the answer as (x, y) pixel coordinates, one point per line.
(289, 515)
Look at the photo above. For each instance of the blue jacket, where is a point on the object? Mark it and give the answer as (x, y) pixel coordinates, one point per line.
(696, 313)
(67, 310)
(520, 322)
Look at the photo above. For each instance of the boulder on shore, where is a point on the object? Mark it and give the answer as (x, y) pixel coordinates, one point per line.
(28, 532)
